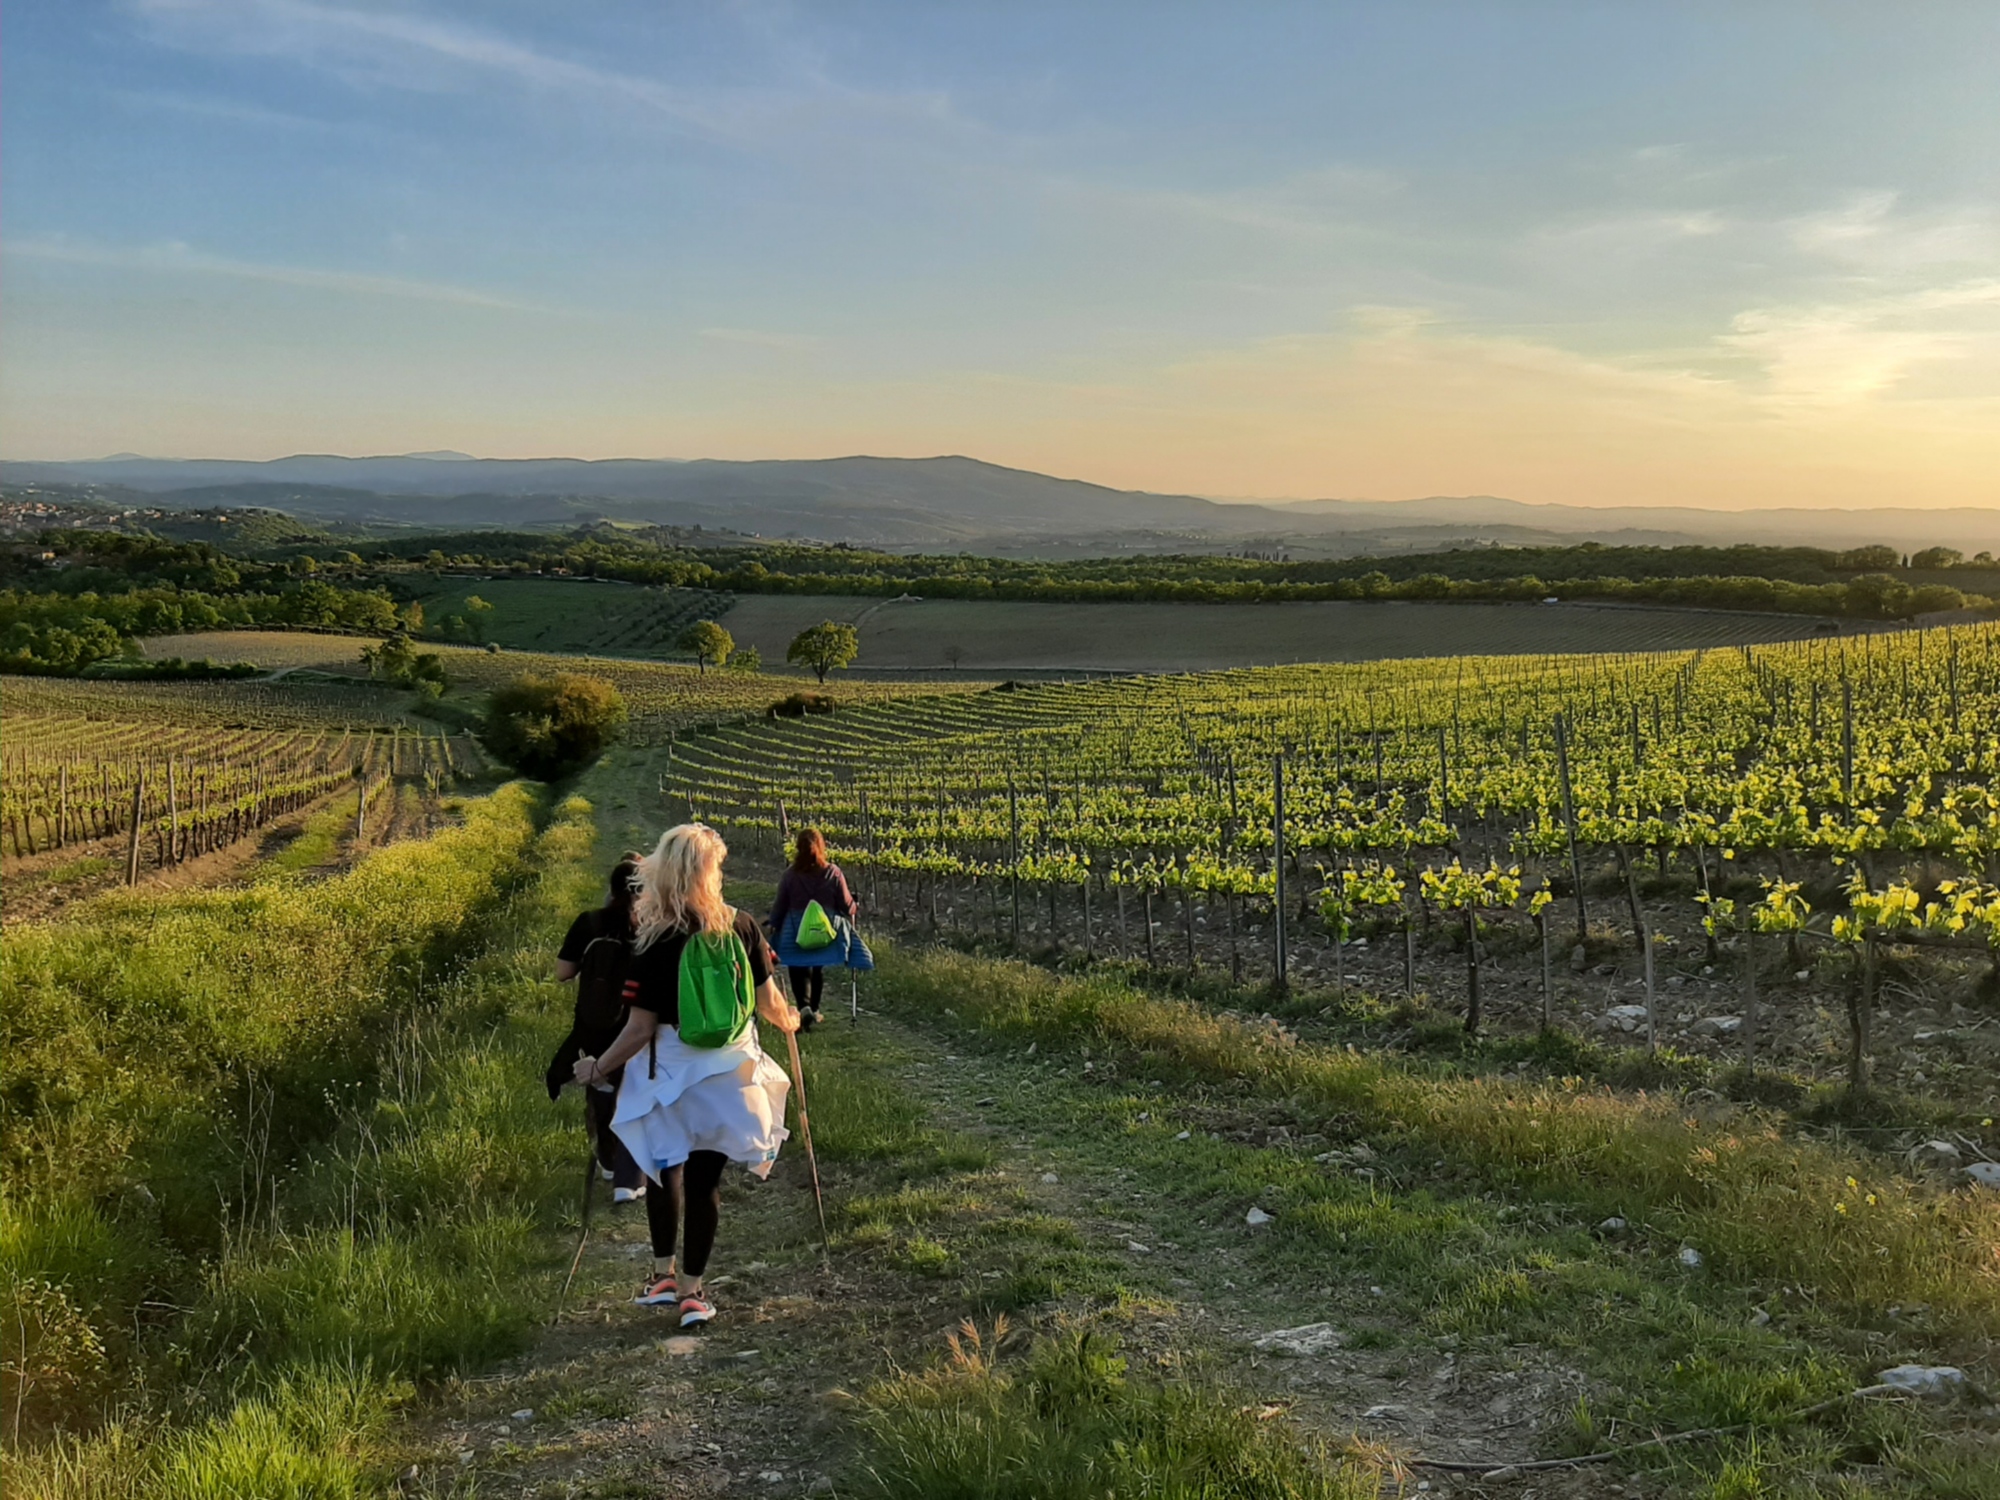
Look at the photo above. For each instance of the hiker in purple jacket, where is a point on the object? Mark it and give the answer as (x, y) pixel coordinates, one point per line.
(811, 877)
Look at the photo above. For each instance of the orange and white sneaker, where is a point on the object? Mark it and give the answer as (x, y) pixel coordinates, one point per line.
(696, 1310)
(659, 1292)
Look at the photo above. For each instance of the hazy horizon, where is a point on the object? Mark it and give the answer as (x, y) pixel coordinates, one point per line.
(1701, 256)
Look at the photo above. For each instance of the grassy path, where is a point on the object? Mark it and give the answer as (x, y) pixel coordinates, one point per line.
(972, 1177)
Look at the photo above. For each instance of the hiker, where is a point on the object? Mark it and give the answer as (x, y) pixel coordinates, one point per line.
(810, 878)
(594, 954)
(704, 1094)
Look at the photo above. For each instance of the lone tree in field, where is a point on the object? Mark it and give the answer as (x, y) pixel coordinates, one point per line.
(823, 647)
(546, 727)
(476, 611)
(709, 642)
(954, 655)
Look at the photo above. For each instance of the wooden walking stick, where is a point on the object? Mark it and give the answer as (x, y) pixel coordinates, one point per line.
(589, 1197)
(805, 1130)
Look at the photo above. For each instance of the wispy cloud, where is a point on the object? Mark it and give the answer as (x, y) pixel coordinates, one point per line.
(231, 110)
(176, 258)
(1842, 352)
(404, 48)
(1868, 233)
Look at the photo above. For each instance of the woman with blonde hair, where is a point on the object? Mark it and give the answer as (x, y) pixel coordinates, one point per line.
(686, 1111)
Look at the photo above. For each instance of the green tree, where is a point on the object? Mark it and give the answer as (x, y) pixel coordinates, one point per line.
(549, 726)
(824, 647)
(476, 611)
(1938, 557)
(746, 659)
(709, 642)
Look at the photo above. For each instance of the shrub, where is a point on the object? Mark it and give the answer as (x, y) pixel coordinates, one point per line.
(798, 705)
(549, 726)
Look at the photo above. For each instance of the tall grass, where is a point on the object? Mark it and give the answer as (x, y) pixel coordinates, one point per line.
(1755, 1202)
(167, 1062)
(403, 1248)
(1068, 1423)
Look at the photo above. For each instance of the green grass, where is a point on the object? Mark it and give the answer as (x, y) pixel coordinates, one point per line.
(1757, 1203)
(1463, 1235)
(409, 1245)
(1067, 1422)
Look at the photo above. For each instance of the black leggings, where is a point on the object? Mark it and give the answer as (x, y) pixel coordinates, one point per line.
(807, 984)
(692, 1191)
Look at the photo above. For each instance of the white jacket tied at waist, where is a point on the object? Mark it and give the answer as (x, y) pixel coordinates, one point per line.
(728, 1099)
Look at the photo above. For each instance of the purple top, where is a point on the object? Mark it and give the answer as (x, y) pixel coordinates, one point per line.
(828, 888)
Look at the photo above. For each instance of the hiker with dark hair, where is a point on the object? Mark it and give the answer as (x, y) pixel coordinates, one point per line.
(810, 879)
(595, 954)
(704, 1094)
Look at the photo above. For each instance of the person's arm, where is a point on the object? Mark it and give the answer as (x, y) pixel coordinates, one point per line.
(639, 1028)
(566, 971)
(781, 905)
(849, 907)
(775, 1008)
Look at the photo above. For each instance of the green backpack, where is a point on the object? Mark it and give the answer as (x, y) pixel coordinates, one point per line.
(815, 927)
(717, 997)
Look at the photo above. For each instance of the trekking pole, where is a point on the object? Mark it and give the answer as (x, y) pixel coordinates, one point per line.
(589, 1197)
(805, 1130)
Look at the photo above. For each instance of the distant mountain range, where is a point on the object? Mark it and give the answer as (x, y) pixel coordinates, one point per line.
(939, 502)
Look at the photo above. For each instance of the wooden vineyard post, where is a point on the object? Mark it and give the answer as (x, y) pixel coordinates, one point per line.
(1187, 925)
(1089, 945)
(868, 837)
(1444, 778)
(1278, 954)
(1860, 1009)
(173, 817)
(784, 826)
(62, 807)
(1471, 969)
(1014, 856)
(1847, 741)
(1548, 987)
(1652, 1028)
(361, 810)
(1569, 825)
(132, 842)
(1146, 913)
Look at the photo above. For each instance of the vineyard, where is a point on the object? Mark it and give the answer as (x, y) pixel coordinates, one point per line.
(110, 782)
(1755, 809)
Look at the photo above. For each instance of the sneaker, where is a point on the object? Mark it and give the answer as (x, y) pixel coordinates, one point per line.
(604, 1173)
(695, 1311)
(628, 1195)
(659, 1292)
(808, 1018)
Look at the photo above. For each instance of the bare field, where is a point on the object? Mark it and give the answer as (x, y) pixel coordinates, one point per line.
(1007, 636)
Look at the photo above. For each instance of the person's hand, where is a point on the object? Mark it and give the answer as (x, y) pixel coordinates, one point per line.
(586, 1070)
(787, 1020)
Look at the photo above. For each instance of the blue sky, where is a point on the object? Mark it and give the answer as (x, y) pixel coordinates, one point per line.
(1598, 253)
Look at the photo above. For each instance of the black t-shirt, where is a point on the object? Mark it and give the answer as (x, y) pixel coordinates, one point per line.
(653, 983)
(587, 926)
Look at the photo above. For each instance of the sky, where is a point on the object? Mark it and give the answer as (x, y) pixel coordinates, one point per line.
(1593, 253)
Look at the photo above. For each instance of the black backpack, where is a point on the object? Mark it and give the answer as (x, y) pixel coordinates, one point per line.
(600, 991)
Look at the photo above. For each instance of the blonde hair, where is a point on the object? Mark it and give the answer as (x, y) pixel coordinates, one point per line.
(680, 886)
